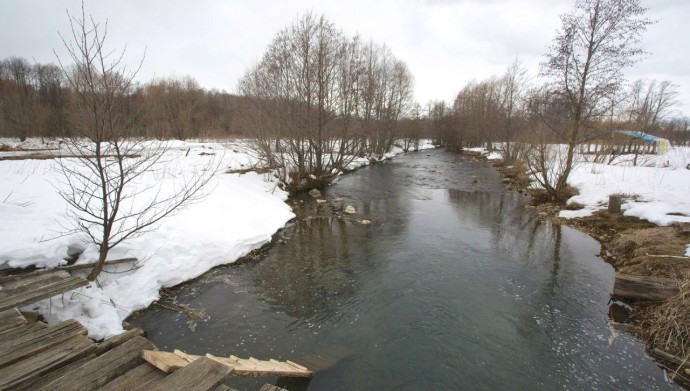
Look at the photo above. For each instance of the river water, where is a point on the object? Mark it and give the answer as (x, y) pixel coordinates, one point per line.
(454, 285)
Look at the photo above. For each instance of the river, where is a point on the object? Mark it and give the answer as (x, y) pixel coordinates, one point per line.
(454, 285)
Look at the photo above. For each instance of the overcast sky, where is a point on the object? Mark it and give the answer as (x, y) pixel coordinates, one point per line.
(445, 43)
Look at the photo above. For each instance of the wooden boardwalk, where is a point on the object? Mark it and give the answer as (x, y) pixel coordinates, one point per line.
(36, 356)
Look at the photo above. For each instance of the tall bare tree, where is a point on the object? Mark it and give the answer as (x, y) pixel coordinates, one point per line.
(514, 86)
(111, 200)
(597, 40)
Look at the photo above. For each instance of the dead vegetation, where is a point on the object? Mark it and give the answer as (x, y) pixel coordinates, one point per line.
(668, 333)
(656, 252)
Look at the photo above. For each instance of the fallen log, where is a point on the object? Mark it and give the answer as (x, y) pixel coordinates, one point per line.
(644, 288)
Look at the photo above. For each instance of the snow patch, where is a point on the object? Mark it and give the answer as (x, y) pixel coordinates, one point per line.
(656, 191)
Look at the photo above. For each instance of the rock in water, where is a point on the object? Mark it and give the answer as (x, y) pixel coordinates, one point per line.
(315, 193)
(321, 201)
(366, 222)
(350, 210)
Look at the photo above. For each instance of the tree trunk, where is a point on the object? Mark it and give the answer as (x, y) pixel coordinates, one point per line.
(98, 266)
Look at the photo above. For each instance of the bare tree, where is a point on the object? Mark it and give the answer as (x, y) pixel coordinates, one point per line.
(321, 99)
(514, 85)
(596, 41)
(649, 102)
(111, 198)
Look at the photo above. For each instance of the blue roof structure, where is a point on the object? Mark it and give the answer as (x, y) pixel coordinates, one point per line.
(648, 138)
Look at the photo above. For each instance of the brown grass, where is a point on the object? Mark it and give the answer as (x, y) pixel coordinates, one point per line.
(656, 252)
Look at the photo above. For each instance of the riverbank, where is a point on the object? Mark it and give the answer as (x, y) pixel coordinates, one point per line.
(651, 238)
(240, 213)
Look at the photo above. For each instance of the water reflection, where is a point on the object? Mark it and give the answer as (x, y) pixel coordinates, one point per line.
(454, 285)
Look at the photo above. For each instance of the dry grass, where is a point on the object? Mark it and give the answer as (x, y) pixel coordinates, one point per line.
(670, 330)
(656, 252)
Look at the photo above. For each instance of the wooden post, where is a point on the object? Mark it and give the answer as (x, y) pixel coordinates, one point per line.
(615, 203)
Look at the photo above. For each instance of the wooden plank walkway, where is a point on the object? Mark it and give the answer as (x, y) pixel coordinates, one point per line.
(36, 356)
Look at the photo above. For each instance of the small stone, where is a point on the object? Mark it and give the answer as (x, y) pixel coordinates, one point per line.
(315, 193)
(321, 201)
(338, 199)
(366, 222)
(350, 210)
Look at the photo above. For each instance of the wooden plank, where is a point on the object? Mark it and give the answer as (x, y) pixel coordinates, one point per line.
(106, 264)
(42, 339)
(29, 370)
(54, 288)
(170, 362)
(19, 331)
(201, 375)
(253, 367)
(50, 376)
(118, 340)
(17, 281)
(139, 375)
(644, 288)
(271, 387)
(104, 368)
(184, 356)
(165, 361)
(11, 318)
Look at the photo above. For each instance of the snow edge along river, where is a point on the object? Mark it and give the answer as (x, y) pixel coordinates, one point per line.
(240, 213)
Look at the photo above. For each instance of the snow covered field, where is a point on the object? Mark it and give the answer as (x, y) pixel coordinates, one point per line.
(657, 189)
(240, 213)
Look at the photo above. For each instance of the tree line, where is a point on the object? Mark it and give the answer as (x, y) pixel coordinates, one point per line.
(36, 100)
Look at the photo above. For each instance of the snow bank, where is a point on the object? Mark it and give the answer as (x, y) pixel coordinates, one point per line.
(240, 213)
(657, 189)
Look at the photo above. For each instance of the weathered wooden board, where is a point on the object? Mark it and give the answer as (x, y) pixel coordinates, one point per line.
(118, 340)
(132, 379)
(50, 376)
(201, 375)
(41, 339)
(19, 331)
(271, 387)
(26, 292)
(165, 361)
(644, 288)
(169, 362)
(103, 368)
(29, 370)
(21, 281)
(11, 319)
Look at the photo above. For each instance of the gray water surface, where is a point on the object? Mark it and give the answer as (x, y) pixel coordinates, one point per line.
(454, 285)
